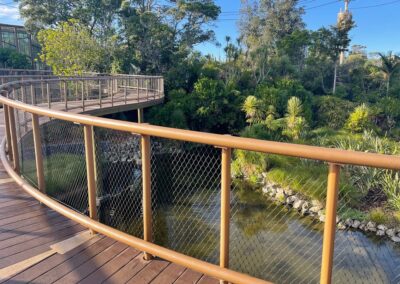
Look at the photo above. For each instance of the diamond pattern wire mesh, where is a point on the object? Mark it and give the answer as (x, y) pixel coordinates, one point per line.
(360, 255)
(64, 163)
(119, 181)
(186, 197)
(275, 236)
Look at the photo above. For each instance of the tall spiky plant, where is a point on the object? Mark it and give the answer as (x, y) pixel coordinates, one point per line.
(252, 108)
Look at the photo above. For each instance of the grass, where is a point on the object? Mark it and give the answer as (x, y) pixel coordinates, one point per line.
(61, 172)
(308, 178)
(378, 216)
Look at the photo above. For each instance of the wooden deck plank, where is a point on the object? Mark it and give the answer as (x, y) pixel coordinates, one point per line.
(169, 275)
(128, 271)
(46, 265)
(148, 273)
(74, 262)
(40, 212)
(32, 228)
(111, 267)
(24, 237)
(188, 276)
(92, 264)
(207, 280)
(40, 246)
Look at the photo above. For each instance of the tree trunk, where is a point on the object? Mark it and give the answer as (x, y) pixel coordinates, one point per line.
(388, 85)
(334, 79)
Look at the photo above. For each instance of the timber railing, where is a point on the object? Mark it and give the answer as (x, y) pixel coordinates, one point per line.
(30, 105)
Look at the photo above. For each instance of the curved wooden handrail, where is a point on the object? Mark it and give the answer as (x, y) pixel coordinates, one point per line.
(330, 155)
(167, 254)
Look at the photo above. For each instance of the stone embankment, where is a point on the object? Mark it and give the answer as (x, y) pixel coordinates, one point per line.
(314, 209)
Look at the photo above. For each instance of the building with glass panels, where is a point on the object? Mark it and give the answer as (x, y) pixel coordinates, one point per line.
(16, 37)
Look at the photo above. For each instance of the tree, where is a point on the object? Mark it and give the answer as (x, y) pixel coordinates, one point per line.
(97, 15)
(10, 58)
(69, 49)
(264, 25)
(390, 64)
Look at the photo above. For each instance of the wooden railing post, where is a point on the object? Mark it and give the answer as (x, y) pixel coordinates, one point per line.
(330, 224)
(83, 95)
(48, 95)
(65, 95)
(33, 95)
(126, 91)
(112, 91)
(90, 171)
(137, 89)
(225, 207)
(38, 153)
(8, 132)
(146, 176)
(14, 143)
(100, 94)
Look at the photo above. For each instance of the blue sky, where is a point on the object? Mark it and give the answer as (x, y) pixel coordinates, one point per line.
(378, 28)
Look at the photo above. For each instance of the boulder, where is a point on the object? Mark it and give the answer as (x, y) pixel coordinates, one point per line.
(395, 239)
(380, 233)
(322, 218)
(348, 222)
(298, 204)
(315, 209)
(390, 232)
(356, 224)
(291, 199)
(341, 226)
(304, 208)
(381, 227)
(317, 203)
(289, 192)
(371, 226)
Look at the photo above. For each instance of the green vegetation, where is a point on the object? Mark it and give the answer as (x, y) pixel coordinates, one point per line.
(278, 81)
(10, 58)
(62, 172)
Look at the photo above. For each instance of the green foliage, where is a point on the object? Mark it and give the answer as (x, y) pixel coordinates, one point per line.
(252, 108)
(390, 182)
(295, 123)
(378, 216)
(360, 119)
(10, 58)
(332, 111)
(69, 49)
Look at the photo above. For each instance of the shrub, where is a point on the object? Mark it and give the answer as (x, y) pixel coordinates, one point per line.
(332, 111)
(360, 119)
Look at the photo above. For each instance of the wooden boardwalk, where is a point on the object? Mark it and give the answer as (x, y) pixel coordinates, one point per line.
(29, 232)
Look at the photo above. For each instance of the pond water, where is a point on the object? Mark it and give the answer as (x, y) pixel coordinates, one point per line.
(272, 242)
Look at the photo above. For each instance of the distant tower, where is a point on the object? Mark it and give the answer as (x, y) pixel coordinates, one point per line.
(342, 20)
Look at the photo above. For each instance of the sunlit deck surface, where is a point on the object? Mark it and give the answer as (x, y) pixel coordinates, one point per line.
(29, 229)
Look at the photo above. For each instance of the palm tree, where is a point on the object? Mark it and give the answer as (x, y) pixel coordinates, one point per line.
(251, 107)
(295, 123)
(390, 64)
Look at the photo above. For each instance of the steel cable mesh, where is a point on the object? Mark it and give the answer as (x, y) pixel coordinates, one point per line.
(269, 238)
(186, 197)
(365, 255)
(277, 229)
(64, 163)
(119, 180)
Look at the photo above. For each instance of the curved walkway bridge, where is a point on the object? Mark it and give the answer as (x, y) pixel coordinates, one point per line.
(80, 195)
